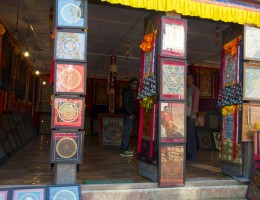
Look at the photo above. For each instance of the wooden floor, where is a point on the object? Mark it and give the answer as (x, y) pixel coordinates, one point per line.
(30, 165)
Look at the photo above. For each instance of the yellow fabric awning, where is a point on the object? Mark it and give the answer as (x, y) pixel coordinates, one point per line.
(209, 9)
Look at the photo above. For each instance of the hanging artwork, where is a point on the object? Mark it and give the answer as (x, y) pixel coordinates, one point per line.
(68, 112)
(228, 126)
(38, 193)
(57, 192)
(213, 121)
(172, 165)
(253, 191)
(71, 13)
(4, 194)
(70, 78)
(206, 80)
(70, 46)
(205, 140)
(230, 70)
(252, 43)
(66, 147)
(251, 121)
(173, 37)
(172, 122)
(173, 80)
(251, 90)
(200, 121)
(111, 129)
(100, 95)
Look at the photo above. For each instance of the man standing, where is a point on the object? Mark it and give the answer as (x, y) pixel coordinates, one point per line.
(129, 109)
(193, 95)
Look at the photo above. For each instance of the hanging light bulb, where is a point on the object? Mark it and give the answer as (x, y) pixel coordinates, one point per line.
(26, 53)
(37, 72)
(44, 82)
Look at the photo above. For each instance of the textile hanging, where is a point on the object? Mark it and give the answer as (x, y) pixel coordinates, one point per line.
(227, 11)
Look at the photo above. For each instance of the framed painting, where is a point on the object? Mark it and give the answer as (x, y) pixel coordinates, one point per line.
(110, 129)
(253, 191)
(172, 165)
(28, 193)
(251, 90)
(205, 140)
(173, 37)
(206, 83)
(172, 122)
(71, 13)
(201, 119)
(67, 147)
(56, 192)
(251, 43)
(70, 78)
(100, 95)
(173, 79)
(217, 139)
(250, 121)
(213, 120)
(4, 194)
(68, 112)
(257, 145)
(70, 46)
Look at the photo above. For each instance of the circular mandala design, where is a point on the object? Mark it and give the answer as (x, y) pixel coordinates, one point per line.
(70, 78)
(173, 79)
(71, 13)
(68, 112)
(66, 147)
(64, 195)
(29, 196)
(70, 45)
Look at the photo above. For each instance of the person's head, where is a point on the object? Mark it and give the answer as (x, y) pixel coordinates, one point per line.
(166, 109)
(133, 83)
(190, 80)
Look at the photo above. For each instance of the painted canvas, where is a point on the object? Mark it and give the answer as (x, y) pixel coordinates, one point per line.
(172, 122)
(251, 90)
(252, 43)
(201, 119)
(148, 63)
(205, 140)
(173, 37)
(67, 147)
(173, 80)
(253, 192)
(100, 96)
(111, 129)
(250, 121)
(4, 194)
(68, 112)
(60, 192)
(70, 78)
(172, 165)
(228, 126)
(213, 121)
(206, 80)
(71, 13)
(230, 70)
(35, 193)
(70, 46)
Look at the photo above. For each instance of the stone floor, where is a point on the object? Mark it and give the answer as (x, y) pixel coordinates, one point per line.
(30, 165)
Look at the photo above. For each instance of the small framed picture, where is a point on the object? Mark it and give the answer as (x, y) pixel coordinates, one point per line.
(71, 13)
(173, 37)
(201, 119)
(253, 191)
(67, 147)
(172, 122)
(56, 192)
(70, 78)
(173, 80)
(251, 43)
(217, 139)
(250, 121)
(4, 194)
(68, 112)
(70, 46)
(172, 165)
(28, 193)
(251, 90)
(205, 140)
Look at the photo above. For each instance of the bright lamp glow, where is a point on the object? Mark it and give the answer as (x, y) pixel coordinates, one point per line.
(26, 53)
(37, 72)
(44, 82)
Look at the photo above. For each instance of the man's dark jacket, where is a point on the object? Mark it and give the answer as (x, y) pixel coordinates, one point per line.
(128, 98)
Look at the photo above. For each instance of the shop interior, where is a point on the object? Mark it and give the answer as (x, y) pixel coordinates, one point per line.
(113, 31)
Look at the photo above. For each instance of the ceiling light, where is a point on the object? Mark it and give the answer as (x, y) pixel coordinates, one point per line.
(44, 82)
(26, 53)
(37, 72)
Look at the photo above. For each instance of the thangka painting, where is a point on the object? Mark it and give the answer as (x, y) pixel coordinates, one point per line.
(70, 46)
(172, 122)
(228, 126)
(68, 112)
(201, 119)
(205, 139)
(250, 121)
(67, 147)
(253, 192)
(206, 80)
(148, 63)
(172, 165)
(38, 193)
(70, 78)
(4, 194)
(71, 13)
(100, 96)
(251, 90)
(251, 43)
(58, 192)
(173, 80)
(173, 37)
(111, 129)
(230, 71)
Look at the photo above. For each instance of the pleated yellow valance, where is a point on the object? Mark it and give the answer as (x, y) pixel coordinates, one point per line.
(209, 9)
